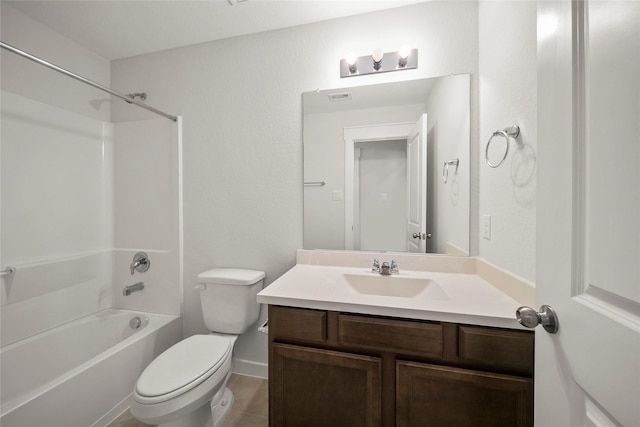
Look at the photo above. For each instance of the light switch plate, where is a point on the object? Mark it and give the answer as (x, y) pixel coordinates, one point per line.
(485, 227)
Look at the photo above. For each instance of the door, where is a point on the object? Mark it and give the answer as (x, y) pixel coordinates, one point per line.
(417, 187)
(432, 395)
(314, 387)
(588, 220)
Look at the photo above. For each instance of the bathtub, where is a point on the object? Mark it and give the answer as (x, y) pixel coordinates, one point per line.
(83, 372)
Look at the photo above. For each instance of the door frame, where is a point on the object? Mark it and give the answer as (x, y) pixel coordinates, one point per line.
(353, 134)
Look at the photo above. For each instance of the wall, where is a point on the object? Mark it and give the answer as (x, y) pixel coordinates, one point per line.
(240, 99)
(382, 195)
(36, 82)
(508, 88)
(56, 183)
(147, 214)
(448, 128)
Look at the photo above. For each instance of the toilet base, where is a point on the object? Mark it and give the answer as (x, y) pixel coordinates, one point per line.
(210, 415)
(220, 409)
(198, 418)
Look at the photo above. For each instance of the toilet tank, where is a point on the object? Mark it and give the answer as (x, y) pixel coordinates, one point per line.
(228, 298)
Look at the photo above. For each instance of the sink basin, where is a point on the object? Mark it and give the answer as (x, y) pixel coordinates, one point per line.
(394, 286)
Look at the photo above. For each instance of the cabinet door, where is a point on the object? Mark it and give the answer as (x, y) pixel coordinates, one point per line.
(429, 396)
(311, 387)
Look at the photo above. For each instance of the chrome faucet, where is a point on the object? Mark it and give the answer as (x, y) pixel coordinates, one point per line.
(128, 290)
(140, 263)
(385, 269)
(376, 266)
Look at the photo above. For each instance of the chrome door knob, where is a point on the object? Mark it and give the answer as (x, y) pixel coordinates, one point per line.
(530, 318)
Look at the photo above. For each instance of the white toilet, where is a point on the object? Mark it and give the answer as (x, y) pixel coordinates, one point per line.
(186, 386)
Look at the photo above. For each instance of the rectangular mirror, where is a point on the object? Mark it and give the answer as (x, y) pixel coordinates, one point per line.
(386, 166)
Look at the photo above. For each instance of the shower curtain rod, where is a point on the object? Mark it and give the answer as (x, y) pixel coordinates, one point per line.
(84, 80)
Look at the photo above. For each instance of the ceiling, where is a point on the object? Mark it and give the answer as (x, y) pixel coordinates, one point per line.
(117, 29)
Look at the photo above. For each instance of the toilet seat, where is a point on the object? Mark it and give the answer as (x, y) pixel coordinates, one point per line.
(182, 367)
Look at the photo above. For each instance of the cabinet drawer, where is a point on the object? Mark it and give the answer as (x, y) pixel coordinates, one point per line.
(298, 324)
(404, 337)
(496, 347)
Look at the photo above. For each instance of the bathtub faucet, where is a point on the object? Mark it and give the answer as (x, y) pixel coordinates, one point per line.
(140, 263)
(128, 290)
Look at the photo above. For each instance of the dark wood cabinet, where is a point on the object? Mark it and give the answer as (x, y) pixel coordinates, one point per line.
(328, 368)
(432, 395)
(315, 387)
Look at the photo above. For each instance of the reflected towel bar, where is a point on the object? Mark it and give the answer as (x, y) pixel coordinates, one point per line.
(445, 168)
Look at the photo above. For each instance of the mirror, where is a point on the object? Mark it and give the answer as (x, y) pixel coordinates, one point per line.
(386, 166)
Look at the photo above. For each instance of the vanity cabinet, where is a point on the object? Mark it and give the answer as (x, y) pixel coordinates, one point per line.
(328, 368)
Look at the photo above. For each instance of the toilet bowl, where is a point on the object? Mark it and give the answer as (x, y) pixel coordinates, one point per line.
(183, 381)
(186, 386)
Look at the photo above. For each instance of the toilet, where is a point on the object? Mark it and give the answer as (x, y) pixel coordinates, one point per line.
(186, 386)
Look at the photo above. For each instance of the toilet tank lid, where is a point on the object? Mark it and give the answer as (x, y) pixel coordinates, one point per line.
(231, 276)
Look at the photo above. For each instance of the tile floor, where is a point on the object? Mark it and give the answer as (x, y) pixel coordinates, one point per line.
(250, 407)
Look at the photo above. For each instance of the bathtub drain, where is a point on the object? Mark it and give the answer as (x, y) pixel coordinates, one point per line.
(135, 322)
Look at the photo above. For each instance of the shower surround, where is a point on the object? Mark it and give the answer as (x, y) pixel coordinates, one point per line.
(80, 195)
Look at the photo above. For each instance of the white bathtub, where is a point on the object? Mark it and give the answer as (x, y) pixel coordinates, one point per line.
(82, 373)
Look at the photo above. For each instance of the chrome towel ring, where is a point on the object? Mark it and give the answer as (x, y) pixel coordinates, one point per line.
(445, 168)
(506, 133)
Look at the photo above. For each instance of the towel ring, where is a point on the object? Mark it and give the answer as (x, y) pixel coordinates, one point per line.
(512, 132)
(445, 168)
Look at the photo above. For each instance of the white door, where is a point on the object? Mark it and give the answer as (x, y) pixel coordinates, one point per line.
(417, 187)
(588, 221)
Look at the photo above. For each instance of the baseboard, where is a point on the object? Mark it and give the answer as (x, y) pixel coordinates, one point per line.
(250, 368)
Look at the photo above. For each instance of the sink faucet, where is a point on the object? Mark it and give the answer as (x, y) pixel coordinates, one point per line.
(128, 290)
(385, 269)
(140, 263)
(376, 266)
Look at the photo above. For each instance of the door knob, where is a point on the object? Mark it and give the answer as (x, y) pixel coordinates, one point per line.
(531, 318)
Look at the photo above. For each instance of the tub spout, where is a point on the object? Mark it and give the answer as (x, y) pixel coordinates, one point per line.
(128, 290)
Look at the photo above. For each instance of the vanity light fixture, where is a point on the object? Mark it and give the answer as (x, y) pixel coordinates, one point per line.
(379, 62)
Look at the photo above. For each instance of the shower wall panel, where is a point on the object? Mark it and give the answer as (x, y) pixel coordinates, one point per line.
(56, 221)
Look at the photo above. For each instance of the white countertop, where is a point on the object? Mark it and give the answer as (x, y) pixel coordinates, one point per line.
(469, 298)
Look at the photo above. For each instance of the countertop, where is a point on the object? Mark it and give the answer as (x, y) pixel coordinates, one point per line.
(467, 298)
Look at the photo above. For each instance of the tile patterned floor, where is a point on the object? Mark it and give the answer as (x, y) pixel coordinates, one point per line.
(250, 407)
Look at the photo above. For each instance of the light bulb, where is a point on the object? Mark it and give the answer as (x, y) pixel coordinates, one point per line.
(377, 58)
(403, 54)
(352, 62)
